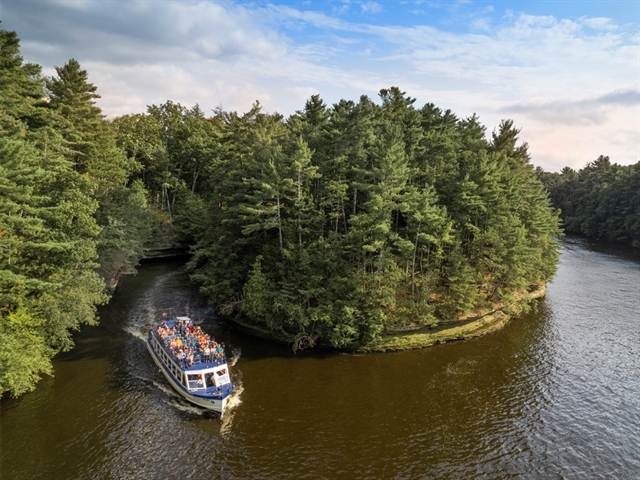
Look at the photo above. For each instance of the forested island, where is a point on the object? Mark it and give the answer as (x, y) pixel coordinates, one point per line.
(335, 226)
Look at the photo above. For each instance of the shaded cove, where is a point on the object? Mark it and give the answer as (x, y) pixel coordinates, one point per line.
(555, 394)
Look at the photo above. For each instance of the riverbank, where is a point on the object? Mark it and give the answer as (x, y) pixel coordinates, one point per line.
(472, 325)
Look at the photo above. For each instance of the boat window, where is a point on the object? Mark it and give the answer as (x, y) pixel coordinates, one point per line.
(195, 381)
(210, 377)
(222, 377)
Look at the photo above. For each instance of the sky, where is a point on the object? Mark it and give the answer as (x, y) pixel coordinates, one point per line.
(567, 72)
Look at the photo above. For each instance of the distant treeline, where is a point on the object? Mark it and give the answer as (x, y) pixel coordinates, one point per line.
(602, 200)
(333, 225)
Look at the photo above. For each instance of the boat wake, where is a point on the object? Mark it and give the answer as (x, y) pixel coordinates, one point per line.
(169, 295)
(176, 400)
(188, 408)
(135, 331)
(235, 356)
(230, 411)
(166, 389)
(227, 423)
(235, 398)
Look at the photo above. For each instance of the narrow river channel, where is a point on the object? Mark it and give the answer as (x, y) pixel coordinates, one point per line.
(555, 394)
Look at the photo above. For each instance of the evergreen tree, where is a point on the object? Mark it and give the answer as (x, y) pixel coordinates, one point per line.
(21, 89)
(91, 146)
(393, 216)
(602, 200)
(47, 250)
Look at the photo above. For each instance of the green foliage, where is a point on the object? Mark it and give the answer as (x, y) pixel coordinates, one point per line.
(602, 200)
(91, 145)
(259, 296)
(335, 225)
(24, 355)
(67, 211)
(340, 223)
(47, 258)
(21, 88)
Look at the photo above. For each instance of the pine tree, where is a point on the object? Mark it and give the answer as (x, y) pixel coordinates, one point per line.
(47, 281)
(342, 222)
(21, 89)
(91, 146)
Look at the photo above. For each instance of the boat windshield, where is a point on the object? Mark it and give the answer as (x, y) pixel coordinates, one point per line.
(217, 377)
(195, 381)
(222, 377)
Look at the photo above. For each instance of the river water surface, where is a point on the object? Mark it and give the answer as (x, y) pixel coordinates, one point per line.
(555, 394)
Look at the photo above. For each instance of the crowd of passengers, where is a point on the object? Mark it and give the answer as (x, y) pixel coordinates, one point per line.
(189, 344)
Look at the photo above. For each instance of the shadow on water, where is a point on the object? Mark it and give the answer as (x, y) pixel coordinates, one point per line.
(587, 246)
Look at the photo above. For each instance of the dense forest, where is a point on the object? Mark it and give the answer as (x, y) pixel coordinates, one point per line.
(71, 215)
(602, 200)
(333, 225)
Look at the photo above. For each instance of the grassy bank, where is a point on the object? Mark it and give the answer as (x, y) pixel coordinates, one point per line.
(472, 325)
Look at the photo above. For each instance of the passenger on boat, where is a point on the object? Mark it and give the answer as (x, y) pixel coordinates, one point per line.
(193, 346)
(164, 333)
(207, 352)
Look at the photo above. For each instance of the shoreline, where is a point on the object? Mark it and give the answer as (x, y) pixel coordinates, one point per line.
(468, 327)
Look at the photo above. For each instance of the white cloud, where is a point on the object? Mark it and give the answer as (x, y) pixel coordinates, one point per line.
(130, 32)
(370, 7)
(554, 148)
(301, 94)
(481, 23)
(599, 23)
(590, 111)
(572, 91)
(564, 82)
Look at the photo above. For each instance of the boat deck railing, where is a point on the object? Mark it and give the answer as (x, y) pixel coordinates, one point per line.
(214, 358)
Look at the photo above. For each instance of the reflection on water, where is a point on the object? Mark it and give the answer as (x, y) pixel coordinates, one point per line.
(556, 394)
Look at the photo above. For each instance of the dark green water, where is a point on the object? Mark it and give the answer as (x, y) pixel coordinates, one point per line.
(555, 394)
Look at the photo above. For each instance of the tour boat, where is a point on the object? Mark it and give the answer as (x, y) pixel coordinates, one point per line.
(202, 376)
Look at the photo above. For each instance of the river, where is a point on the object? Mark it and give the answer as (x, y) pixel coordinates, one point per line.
(555, 394)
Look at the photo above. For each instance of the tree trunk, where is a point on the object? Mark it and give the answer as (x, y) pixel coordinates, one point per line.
(279, 219)
(413, 265)
(299, 206)
(355, 199)
(195, 179)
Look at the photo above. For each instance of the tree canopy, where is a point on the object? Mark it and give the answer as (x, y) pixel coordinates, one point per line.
(333, 225)
(66, 206)
(601, 200)
(341, 222)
